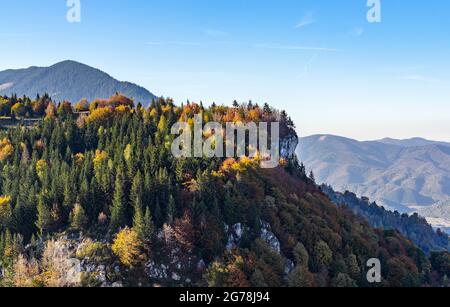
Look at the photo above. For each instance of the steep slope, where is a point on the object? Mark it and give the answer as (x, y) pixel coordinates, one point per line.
(399, 177)
(412, 226)
(70, 81)
(148, 218)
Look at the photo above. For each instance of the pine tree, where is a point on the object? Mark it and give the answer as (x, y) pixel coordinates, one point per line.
(138, 218)
(302, 169)
(300, 277)
(257, 279)
(6, 212)
(118, 206)
(149, 228)
(69, 193)
(171, 210)
(312, 177)
(7, 249)
(301, 255)
(159, 220)
(78, 219)
(266, 109)
(44, 218)
(136, 189)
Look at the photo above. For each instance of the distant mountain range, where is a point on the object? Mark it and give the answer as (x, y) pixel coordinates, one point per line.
(405, 175)
(414, 142)
(68, 80)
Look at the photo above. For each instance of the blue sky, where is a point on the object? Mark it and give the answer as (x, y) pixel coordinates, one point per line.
(322, 61)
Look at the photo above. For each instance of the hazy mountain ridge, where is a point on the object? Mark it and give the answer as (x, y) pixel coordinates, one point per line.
(401, 177)
(68, 80)
(413, 142)
(438, 215)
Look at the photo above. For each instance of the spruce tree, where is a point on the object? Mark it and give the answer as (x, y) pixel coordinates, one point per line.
(118, 206)
(136, 189)
(78, 219)
(138, 219)
(171, 210)
(43, 217)
(149, 227)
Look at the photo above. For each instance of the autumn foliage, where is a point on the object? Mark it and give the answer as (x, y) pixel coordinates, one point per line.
(151, 219)
(128, 247)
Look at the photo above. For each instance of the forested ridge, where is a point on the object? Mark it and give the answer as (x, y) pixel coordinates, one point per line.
(412, 226)
(68, 80)
(102, 187)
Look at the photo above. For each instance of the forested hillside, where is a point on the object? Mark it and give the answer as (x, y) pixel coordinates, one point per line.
(412, 226)
(68, 80)
(100, 193)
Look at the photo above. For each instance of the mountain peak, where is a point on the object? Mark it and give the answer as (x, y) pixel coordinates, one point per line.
(68, 80)
(72, 63)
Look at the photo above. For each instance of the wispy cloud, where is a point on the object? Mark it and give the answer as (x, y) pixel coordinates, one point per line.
(296, 47)
(419, 78)
(307, 19)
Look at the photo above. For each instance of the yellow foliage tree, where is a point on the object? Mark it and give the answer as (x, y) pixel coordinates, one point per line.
(41, 168)
(254, 115)
(26, 273)
(127, 153)
(99, 115)
(82, 105)
(5, 210)
(18, 109)
(6, 149)
(153, 112)
(122, 109)
(162, 125)
(57, 265)
(128, 247)
(100, 157)
(50, 111)
(5, 200)
(166, 109)
(79, 159)
(241, 165)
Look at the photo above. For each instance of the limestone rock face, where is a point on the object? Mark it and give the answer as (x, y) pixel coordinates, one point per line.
(234, 235)
(288, 145)
(269, 237)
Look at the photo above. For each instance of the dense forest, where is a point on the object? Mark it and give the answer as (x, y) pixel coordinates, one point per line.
(95, 186)
(413, 226)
